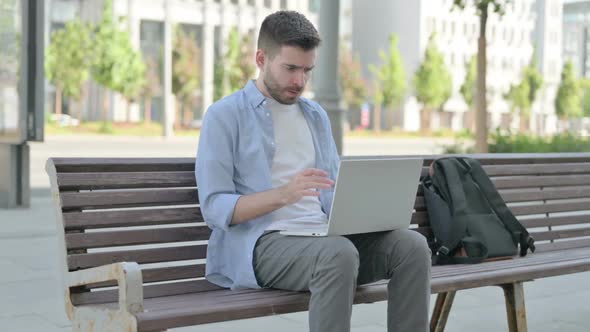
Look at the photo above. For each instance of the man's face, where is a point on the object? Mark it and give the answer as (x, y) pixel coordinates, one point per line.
(285, 75)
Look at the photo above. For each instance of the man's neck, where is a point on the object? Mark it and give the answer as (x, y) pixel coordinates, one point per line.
(261, 87)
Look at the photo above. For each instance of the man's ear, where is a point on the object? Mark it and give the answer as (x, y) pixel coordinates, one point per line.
(260, 59)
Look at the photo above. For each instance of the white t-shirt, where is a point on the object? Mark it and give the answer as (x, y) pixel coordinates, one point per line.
(294, 152)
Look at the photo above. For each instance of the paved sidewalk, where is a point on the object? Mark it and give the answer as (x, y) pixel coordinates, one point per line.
(30, 290)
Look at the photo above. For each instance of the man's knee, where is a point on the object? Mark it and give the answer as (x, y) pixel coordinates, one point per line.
(339, 254)
(412, 243)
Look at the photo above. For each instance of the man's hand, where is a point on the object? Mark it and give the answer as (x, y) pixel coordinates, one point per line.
(303, 184)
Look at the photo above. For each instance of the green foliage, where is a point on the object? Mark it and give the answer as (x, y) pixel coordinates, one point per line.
(520, 143)
(567, 101)
(118, 65)
(468, 87)
(239, 59)
(68, 58)
(186, 66)
(518, 97)
(585, 96)
(237, 65)
(353, 85)
(390, 77)
(433, 80)
(533, 78)
(218, 75)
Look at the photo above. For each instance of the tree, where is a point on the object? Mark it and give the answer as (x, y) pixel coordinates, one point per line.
(352, 84)
(186, 69)
(152, 87)
(433, 82)
(67, 61)
(523, 95)
(130, 80)
(390, 81)
(567, 101)
(533, 77)
(483, 11)
(239, 67)
(518, 98)
(468, 88)
(118, 66)
(236, 67)
(585, 96)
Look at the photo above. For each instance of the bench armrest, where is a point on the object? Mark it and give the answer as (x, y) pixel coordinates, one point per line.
(127, 275)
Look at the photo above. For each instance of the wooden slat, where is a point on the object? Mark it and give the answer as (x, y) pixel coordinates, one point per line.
(91, 240)
(561, 234)
(420, 218)
(537, 195)
(123, 164)
(168, 273)
(541, 181)
(118, 180)
(535, 169)
(540, 208)
(108, 219)
(419, 204)
(141, 256)
(149, 291)
(128, 198)
(562, 245)
(556, 221)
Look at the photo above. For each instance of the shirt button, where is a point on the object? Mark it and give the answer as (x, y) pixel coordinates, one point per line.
(267, 114)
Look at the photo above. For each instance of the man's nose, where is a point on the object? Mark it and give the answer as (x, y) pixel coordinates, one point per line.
(299, 79)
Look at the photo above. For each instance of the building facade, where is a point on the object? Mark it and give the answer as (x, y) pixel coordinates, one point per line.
(511, 42)
(209, 21)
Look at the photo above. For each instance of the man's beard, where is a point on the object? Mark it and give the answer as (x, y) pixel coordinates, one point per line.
(274, 90)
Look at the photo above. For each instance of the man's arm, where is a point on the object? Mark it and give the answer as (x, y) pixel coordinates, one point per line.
(303, 184)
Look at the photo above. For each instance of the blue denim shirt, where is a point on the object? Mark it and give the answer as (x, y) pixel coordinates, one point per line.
(236, 150)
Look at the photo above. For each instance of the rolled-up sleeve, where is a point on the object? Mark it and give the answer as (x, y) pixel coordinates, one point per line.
(214, 169)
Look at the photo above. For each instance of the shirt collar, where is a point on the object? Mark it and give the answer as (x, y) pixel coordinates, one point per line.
(255, 97)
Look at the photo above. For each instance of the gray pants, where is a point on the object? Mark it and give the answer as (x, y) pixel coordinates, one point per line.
(331, 267)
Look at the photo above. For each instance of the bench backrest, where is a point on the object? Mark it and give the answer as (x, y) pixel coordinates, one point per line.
(146, 211)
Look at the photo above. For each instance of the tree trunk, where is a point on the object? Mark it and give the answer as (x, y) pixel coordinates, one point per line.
(425, 117)
(147, 111)
(58, 102)
(128, 113)
(524, 123)
(481, 127)
(377, 119)
(177, 118)
(106, 104)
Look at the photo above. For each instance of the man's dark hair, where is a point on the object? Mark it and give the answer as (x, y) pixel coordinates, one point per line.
(287, 28)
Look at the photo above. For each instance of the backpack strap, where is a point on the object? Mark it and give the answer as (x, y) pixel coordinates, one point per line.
(519, 233)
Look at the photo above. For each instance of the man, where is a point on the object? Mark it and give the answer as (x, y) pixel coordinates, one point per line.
(266, 159)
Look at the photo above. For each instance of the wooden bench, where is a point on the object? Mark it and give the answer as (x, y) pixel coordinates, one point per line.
(134, 243)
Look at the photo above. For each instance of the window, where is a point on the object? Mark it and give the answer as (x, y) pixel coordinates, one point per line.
(267, 3)
(283, 4)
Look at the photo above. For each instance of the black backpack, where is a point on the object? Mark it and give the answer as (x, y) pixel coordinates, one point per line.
(469, 219)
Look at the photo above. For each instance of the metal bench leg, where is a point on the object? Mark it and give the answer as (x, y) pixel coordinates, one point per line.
(515, 308)
(441, 311)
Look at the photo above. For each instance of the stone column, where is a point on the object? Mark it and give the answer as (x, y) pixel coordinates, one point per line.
(325, 79)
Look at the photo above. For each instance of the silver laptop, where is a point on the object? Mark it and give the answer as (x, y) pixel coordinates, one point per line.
(370, 195)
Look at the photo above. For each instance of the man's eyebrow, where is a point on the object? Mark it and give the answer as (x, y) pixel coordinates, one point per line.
(297, 67)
